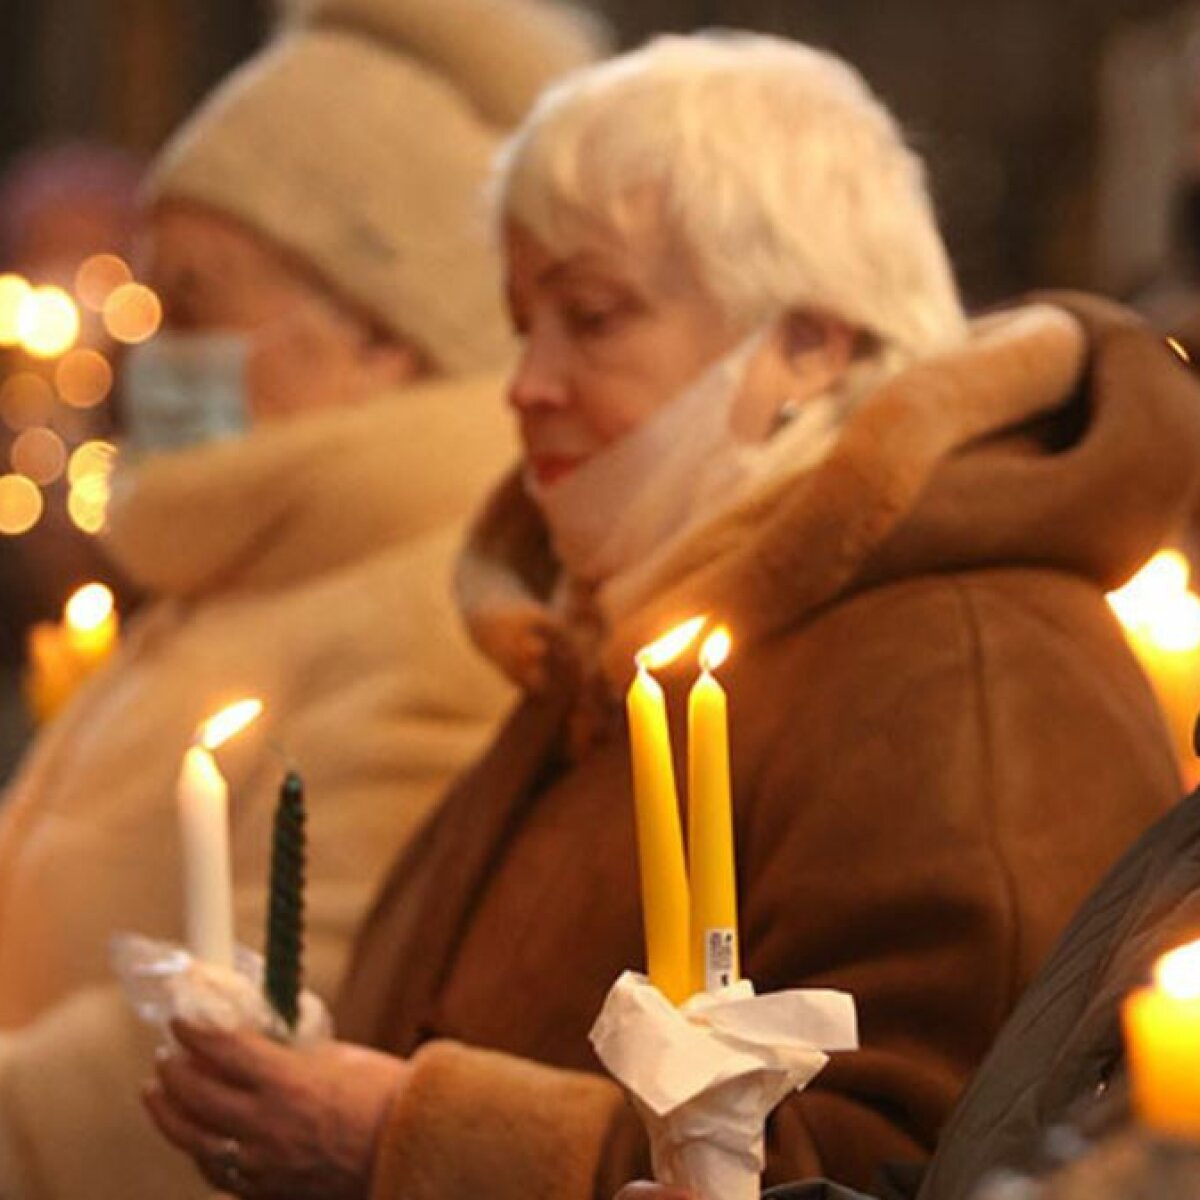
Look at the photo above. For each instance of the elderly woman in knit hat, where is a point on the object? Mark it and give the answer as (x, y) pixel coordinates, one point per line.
(748, 390)
(306, 438)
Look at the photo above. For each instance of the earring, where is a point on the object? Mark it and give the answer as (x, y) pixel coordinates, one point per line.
(789, 410)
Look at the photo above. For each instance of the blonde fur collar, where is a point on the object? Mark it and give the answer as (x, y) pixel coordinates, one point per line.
(298, 498)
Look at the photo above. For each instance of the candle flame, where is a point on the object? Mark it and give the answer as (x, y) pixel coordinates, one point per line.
(1178, 973)
(1157, 603)
(716, 648)
(670, 646)
(1179, 348)
(218, 729)
(89, 607)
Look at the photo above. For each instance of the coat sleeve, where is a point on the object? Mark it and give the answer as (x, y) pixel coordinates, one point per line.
(473, 1123)
(71, 1081)
(919, 838)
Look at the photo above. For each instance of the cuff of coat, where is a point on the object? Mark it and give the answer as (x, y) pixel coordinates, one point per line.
(469, 1123)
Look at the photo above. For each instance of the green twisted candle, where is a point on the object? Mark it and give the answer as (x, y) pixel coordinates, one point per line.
(285, 916)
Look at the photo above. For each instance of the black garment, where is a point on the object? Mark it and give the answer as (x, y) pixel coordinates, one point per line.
(1060, 1055)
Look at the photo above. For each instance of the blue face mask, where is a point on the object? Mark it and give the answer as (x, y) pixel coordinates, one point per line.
(184, 389)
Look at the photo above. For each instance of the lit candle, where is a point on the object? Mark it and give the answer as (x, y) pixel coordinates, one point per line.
(1161, 617)
(714, 940)
(207, 878)
(203, 800)
(90, 619)
(285, 918)
(63, 656)
(656, 803)
(1162, 1034)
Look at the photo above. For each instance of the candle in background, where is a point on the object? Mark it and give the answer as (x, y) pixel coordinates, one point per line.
(63, 656)
(1161, 618)
(90, 621)
(714, 941)
(285, 918)
(656, 804)
(203, 801)
(1162, 1035)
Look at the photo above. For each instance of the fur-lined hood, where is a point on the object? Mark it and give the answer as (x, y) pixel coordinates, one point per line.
(1064, 434)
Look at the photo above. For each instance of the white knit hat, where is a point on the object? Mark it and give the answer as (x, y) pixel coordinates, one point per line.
(360, 140)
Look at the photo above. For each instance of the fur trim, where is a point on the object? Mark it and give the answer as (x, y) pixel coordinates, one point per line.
(797, 542)
(293, 499)
(471, 1123)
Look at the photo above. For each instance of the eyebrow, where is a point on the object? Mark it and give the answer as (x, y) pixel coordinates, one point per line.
(568, 270)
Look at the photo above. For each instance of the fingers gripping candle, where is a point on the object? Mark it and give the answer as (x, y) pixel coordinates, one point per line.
(659, 834)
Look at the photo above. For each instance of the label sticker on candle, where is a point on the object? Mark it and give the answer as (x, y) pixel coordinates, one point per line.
(720, 959)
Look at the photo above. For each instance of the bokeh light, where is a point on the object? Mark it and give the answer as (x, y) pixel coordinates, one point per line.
(95, 458)
(83, 378)
(87, 503)
(26, 399)
(89, 607)
(98, 278)
(47, 322)
(132, 313)
(1178, 973)
(1158, 604)
(39, 454)
(21, 504)
(13, 290)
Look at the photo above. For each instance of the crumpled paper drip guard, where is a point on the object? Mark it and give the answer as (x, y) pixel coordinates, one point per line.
(162, 981)
(706, 1075)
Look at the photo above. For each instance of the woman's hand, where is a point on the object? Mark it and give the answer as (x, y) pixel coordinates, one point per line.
(269, 1122)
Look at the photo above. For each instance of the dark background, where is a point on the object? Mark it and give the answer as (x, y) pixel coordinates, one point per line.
(1000, 95)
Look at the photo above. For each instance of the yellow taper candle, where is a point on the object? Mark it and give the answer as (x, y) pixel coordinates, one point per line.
(714, 940)
(659, 834)
(1162, 1037)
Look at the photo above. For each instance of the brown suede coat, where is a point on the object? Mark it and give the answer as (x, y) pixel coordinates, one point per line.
(939, 743)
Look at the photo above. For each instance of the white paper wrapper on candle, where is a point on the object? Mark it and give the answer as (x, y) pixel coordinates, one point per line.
(162, 980)
(706, 1075)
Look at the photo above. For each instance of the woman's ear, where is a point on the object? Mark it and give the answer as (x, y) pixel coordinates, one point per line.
(818, 350)
(804, 355)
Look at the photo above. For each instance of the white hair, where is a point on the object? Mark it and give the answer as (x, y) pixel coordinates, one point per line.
(784, 177)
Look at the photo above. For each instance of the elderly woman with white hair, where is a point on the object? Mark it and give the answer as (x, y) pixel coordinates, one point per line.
(749, 390)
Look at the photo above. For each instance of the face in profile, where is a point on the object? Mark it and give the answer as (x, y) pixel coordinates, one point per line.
(611, 330)
(620, 325)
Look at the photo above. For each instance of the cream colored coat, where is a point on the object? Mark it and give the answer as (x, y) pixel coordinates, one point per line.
(307, 564)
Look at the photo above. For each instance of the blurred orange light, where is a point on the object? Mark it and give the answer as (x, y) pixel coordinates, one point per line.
(39, 454)
(89, 607)
(26, 399)
(98, 278)
(21, 504)
(87, 503)
(47, 322)
(83, 378)
(13, 290)
(132, 313)
(1158, 605)
(91, 460)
